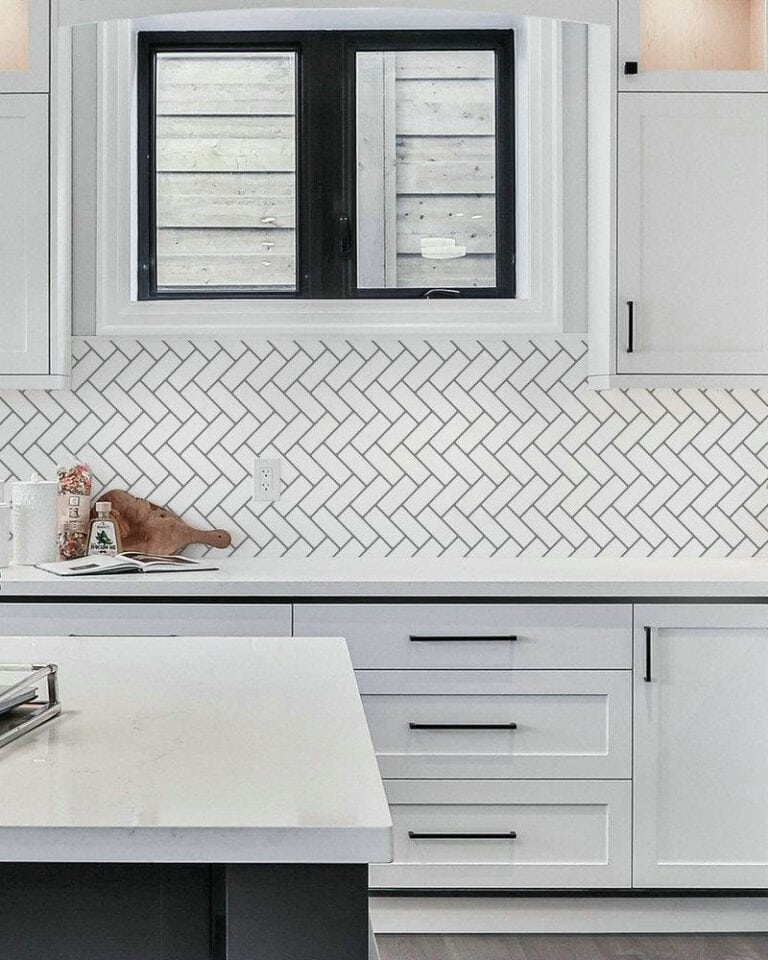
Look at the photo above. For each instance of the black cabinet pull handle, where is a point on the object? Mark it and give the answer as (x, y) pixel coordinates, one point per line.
(631, 68)
(462, 836)
(630, 326)
(463, 726)
(648, 638)
(508, 639)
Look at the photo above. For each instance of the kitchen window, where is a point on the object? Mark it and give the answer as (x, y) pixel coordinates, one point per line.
(326, 165)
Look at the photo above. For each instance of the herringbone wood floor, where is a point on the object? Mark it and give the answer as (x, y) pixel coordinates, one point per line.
(606, 947)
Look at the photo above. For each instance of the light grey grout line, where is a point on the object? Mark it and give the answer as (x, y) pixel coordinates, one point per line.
(503, 371)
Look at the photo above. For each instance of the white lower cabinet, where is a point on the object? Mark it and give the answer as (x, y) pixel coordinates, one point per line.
(701, 746)
(508, 766)
(500, 723)
(473, 834)
(494, 719)
(476, 636)
(125, 618)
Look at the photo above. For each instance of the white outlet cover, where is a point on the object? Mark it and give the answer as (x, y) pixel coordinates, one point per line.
(266, 480)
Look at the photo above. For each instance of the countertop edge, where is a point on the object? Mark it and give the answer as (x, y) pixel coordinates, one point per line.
(455, 591)
(52, 844)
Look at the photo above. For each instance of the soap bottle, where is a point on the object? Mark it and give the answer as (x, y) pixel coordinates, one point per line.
(104, 537)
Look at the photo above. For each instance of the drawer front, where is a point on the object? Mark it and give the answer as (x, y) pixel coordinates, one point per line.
(536, 833)
(531, 724)
(145, 619)
(502, 636)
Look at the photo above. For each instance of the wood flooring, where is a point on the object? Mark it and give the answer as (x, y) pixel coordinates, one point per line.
(576, 947)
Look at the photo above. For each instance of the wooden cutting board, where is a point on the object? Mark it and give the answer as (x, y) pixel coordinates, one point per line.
(147, 528)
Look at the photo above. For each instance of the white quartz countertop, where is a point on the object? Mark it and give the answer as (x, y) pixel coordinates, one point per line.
(197, 750)
(395, 578)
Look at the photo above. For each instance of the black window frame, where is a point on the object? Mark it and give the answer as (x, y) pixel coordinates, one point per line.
(326, 261)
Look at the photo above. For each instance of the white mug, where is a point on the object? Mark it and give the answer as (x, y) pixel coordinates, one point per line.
(33, 520)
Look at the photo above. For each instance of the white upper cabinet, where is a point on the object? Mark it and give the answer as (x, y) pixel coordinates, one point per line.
(24, 256)
(24, 193)
(677, 45)
(24, 46)
(35, 201)
(692, 236)
(700, 758)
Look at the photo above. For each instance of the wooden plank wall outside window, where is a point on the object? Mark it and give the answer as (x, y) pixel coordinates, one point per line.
(426, 166)
(226, 170)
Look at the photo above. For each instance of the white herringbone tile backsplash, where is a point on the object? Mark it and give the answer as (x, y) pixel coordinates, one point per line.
(407, 448)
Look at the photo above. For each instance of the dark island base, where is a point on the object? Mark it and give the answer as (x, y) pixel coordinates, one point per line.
(105, 911)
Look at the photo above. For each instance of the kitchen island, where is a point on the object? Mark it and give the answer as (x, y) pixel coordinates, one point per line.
(197, 797)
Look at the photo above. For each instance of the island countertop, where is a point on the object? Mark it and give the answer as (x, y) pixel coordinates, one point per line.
(393, 578)
(203, 750)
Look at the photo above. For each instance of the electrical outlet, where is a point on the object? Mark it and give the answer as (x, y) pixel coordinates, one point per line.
(266, 480)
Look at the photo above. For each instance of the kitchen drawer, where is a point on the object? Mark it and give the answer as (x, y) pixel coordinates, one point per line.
(445, 723)
(145, 619)
(458, 834)
(590, 636)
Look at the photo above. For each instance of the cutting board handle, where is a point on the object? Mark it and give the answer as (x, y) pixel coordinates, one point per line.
(213, 538)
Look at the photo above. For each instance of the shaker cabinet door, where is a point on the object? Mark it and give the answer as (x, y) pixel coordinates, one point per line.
(693, 234)
(700, 735)
(24, 303)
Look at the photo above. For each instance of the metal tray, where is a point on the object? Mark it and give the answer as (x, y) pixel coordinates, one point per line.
(31, 701)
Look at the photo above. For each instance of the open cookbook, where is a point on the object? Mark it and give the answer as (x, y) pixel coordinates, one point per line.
(125, 563)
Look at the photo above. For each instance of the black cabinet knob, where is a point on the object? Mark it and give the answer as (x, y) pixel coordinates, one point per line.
(631, 68)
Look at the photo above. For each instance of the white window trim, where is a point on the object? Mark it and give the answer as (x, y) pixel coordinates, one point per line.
(537, 311)
(73, 12)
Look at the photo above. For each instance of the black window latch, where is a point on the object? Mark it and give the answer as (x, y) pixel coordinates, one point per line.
(345, 237)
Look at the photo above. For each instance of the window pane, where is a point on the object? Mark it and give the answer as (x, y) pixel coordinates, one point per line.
(226, 171)
(426, 149)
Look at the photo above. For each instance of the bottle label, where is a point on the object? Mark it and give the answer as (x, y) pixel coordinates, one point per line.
(103, 538)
